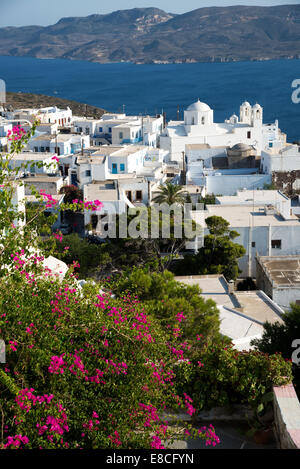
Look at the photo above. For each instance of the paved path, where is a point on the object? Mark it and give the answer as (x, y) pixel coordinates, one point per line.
(232, 437)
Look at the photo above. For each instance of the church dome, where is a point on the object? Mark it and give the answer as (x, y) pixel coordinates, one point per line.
(246, 104)
(198, 106)
(241, 147)
(257, 106)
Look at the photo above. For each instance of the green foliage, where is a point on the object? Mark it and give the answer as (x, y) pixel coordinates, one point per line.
(278, 338)
(222, 376)
(91, 257)
(219, 255)
(170, 194)
(162, 295)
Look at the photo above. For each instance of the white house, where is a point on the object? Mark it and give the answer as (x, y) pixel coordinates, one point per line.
(61, 144)
(36, 163)
(284, 159)
(266, 228)
(120, 129)
(278, 277)
(46, 115)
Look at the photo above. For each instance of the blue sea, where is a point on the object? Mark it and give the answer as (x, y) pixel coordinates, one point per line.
(149, 89)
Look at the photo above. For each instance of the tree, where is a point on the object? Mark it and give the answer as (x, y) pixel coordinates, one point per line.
(161, 295)
(170, 194)
(219, 255)
(278, 338)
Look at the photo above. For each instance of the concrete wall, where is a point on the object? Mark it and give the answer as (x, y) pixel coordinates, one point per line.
(287, 417)
(285, 296)
(230, 184)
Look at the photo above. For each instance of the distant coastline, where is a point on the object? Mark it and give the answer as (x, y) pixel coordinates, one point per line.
(158, 62)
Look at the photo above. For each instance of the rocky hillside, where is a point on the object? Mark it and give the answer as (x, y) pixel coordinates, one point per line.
(25, 100)
(144, 35)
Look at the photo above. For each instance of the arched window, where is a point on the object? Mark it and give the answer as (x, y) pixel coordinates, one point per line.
(203, 120)
(193, 120)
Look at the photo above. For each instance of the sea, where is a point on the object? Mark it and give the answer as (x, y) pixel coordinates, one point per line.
(170, 88)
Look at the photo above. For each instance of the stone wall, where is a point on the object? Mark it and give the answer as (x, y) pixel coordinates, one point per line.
(287, 417)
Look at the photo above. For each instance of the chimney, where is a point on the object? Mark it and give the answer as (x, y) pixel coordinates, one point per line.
(231, 286)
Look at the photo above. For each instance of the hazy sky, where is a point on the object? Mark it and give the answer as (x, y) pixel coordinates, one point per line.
(45, 12)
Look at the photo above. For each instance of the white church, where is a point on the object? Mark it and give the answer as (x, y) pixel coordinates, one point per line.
(199, 127)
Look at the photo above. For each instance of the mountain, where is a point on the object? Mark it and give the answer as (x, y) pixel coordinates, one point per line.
(146, 35)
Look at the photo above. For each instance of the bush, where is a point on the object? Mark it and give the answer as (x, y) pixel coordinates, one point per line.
(162, 296)
(221, 376)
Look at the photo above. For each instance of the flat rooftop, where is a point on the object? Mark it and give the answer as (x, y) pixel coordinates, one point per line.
(32, 156)
(244, 216)
(254, 305)
(213, 287)
(41, 178)
(98, 191)
(256, 197)
(257, 306)
(283, 271)
(129, 150)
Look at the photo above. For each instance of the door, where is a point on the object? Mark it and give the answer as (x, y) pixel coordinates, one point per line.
(114, 168)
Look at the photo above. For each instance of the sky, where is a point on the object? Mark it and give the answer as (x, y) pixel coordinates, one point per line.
(45, 12)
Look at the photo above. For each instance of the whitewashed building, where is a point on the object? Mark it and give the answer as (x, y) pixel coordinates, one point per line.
(46, 115)
(61, 144)
(279, 278)
(267, 227)
(284, 159)
(120, 129)
(199, 127)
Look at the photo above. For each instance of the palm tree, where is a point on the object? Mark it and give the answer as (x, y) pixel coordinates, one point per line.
(170, 194)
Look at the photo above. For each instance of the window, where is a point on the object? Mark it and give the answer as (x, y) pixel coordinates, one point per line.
(87, 131)
(42, 149)
(253, 244)
(48, 149)
(248, 134)
(88, 173)
(122, 167)
(109, 130)
(120, 135)
(276, 243)
(203, 120)
(101, 129)
(129, 195)
(138, 195)
(36, 149)
(94, 220)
